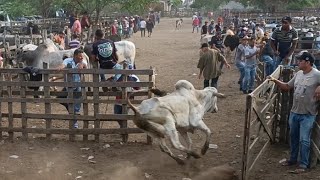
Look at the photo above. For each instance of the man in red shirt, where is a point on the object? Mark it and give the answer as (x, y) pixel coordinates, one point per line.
(195, 24)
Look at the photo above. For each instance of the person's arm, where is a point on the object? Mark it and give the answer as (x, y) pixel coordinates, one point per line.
(221, 58)
(200, 66)
(292, 48)
(282, 85)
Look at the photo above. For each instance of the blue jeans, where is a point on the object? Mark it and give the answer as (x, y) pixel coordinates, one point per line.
(249, 77)
(269, 64)
(300, 134)
(280, 61)
(76, 106)
(214, 82)
(240, 65)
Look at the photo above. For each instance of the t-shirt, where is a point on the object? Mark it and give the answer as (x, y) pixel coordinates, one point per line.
(304, 88)
(70, 63)
(284, 40)
(204, 29)
(74, 44)
(211, 29)
(249, 51)
(218, 42)
(143, 24)
(240, 52)
(105, 51)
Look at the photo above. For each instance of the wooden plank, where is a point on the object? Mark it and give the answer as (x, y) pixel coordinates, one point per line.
(88, 93)
(64, 100)
(85, 110)
(71, 106)
(10, 110)
(1, 94)
(85, 71)
(257, 157)
(24, 122)
(124, 124)
(74, 131)
(96, 106)
(152, 78)
(102, 117)
(275, 74)
(262, 120)
(246, 138)
(78, 84)
(47, 106)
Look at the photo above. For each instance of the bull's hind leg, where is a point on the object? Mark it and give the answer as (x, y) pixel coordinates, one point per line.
(204, 128)
(174, 137)
(188, 140)
(164, 148)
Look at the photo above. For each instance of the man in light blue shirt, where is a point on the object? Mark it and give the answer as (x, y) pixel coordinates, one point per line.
(76, 62)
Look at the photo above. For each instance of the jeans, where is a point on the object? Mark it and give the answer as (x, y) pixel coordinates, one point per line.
(280, 61)
(269, 64)
(214, 82)
(249, 77)
(240, 65)
(76, 106)
(300, 134)
(143, 32)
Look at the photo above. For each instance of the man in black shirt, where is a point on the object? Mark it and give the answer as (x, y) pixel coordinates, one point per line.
(204, 29)
(217, 44)
(104, 51)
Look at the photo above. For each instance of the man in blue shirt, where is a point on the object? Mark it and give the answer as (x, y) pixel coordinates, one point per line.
(284, 41)
(76, 62)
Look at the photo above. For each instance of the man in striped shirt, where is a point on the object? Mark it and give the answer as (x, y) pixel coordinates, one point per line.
(284, 41)
(74, 43)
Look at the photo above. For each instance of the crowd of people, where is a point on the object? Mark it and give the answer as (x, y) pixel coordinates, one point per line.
(274, 48)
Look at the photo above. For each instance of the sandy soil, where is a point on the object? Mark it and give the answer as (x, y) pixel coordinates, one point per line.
(174, 54)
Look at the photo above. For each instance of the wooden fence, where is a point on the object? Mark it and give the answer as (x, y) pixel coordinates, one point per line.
(17, 114)
(268, 108)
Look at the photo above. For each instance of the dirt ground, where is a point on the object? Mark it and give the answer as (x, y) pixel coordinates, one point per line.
(174, 54)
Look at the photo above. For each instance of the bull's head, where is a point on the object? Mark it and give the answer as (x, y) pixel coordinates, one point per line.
(214, 95)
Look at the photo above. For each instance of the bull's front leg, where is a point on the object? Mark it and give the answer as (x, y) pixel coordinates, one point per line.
(204, 128)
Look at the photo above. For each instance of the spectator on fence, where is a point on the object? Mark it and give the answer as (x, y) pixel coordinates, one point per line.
(74, 43)
(149, 27)
(59, 40)
(305, 84)
(85, 22)
(76, 62)
(76, 27)
(104, 51)
(240, 59)
(267, 55)
(250, 53)
(284, 41)
(209, 65)
(143, 25)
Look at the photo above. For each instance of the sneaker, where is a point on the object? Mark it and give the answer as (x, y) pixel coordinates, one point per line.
(76, 125)
(250, 91)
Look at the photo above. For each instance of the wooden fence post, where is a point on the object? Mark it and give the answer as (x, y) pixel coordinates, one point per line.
(284, 112)
(70, 91)
(47, 106)
(10, 110)
(246, 141)
(150, 95)
(124, 124)
(24, 121)
(96, 106)
(85, 109)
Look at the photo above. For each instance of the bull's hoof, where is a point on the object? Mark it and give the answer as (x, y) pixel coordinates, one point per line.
(195, 155)
(180, 161)
(204, 149)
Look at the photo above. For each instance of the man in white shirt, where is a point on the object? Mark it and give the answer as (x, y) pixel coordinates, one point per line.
(143, 24)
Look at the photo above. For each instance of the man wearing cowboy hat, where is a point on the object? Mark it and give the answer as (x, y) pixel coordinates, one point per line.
(304, 109)
(209, 65)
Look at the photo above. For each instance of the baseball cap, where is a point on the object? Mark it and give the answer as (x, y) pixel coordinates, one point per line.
(305, 55)
(204, 45)
(286, 18)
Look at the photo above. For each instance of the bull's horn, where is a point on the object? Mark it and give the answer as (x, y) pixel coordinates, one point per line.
(219, 95)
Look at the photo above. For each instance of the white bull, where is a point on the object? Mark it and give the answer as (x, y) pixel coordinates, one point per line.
(181, 111)
(205, 38)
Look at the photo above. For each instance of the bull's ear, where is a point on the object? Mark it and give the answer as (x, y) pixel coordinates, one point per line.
(219, 95)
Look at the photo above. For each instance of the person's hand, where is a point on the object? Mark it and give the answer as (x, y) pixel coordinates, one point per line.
(270, 78)
(81, 66)
(199, 76)
(317, 93)
(228, 65)
(277, 53)
(286, 60)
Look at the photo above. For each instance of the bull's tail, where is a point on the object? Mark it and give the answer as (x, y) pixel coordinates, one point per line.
(145, 124)
(158, 92)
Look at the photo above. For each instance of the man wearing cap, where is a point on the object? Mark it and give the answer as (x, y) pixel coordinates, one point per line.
(204, 28)
(240, 59)
(284, 41)
(209, 65)
(304, 109)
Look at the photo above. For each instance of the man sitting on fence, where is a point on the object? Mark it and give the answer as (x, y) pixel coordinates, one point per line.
(74, 63)
(304, 109)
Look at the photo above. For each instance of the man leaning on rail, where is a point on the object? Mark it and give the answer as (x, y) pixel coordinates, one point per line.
(304, 109)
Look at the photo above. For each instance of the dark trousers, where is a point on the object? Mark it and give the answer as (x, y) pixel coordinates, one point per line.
(214, 82)
(143, 32)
